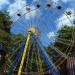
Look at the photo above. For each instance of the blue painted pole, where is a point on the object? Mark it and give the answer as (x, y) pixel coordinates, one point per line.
(16, 59)
(45, 57)
(1, 47)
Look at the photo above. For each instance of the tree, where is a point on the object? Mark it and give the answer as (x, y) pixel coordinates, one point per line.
(66, 39)
(65, 42)
(5, 26)
(5, 21)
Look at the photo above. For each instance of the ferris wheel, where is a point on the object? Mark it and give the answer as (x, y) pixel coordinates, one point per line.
(39, 22)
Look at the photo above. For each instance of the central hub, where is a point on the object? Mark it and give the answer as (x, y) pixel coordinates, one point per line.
(33, 30)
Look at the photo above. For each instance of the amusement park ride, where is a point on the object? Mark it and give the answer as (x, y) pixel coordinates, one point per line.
(33, 33)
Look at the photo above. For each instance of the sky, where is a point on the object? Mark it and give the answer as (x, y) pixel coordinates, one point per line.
(47, 20)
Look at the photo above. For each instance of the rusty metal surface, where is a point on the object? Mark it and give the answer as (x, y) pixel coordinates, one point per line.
(71, 65)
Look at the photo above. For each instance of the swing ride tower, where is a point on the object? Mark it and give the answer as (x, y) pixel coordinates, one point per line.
(32, 32)
(32, 26)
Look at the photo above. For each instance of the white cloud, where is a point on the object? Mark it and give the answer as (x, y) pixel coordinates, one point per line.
(51, 35)
(64, 1)
(55, 1)
(20, 6)
(58, 1)
(65, 20)
(3, 3)
(14, 8)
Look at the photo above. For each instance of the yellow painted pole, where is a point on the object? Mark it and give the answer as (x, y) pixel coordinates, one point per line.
(24, 54)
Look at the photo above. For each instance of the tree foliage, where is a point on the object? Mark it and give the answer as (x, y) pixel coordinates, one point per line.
(65, 39)
(5, 26)
(5, 21)
(64, 42)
